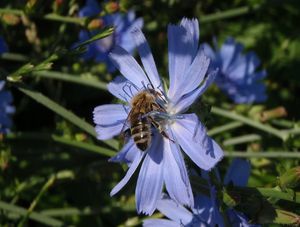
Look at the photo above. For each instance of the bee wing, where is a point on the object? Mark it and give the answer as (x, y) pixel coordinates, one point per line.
(126, 122)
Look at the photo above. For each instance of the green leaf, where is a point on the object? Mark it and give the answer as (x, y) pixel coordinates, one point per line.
(225, 14)
(61, 140)
(241, 139)
(91, 82)
(104, 33)
(262, 154)
(286, 218)
(17, 75)
(290, 179)
(255, 124)
(49, 221)
(60, 110)
(29, 68)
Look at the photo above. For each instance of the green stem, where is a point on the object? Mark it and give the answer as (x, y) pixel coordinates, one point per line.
(262, 154)
(250, 122)
(271, 192)
(60, 175)
(283, 123)
(229, 13)
(14, 57)
(294, 131)
(241, 139)
(50, 16)
(36, 200)
(59, 139)
(43, 219)
(60, 110)
(223, 128)
(70, 78)
(66, 19)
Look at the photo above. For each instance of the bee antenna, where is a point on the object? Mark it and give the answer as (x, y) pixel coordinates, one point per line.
(150, 81)
(136, 88)
(123, 88)
(149, 86)
(144, 85)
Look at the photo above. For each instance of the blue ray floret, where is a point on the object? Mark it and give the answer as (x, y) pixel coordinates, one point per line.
(6, 109)
(206, 211)
(237, 77)
(123, 24)
(162, 164)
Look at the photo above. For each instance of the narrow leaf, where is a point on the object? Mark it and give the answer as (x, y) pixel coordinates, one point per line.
(49, 221)
(63, 112)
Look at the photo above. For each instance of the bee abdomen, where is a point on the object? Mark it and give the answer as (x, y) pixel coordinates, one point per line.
(141, 134)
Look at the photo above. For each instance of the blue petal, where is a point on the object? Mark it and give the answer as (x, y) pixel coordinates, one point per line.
(126, 38)
(187, 100)
(237, 219)
(5, 97)
(122, 88)
(192, 26)
(208, 51)
(146, 57)
(128, 66)
(3, 46)
(91, 8)
(259, 75)
(191, 136)
(229, 51)
(204, 208)
(194, 75)
(174, 211)
(175, 175)
(150, 180)
(237, 70)
(110, 114)
(180, 46)
(108, 132)
(208, 210)
(123, 26)
(252, 61)
(126, 154)
(160, 222)
(138, 157)
(238, 173)
(110, 120)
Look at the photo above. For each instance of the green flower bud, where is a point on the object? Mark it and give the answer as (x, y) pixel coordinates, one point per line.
(290, 179)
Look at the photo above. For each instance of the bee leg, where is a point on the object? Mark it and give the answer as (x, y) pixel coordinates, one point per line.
(161, 131)
(164, 134)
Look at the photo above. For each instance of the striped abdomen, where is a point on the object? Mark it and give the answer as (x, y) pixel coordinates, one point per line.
(141, 133)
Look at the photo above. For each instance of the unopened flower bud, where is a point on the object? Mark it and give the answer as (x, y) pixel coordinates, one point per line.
(290, 179)
(112, 7)
(95, 24)
(273, 113)
(10, 19)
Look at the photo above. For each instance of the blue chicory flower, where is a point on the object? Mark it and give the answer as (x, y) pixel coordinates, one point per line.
(237, 77)
(123, 24)
(3, 46)
(5, 99)
(163, 163)
(206, 210)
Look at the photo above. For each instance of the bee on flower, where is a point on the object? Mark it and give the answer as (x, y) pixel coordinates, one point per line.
(172, 130)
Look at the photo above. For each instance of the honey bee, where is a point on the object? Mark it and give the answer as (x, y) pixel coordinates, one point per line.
(144, 107)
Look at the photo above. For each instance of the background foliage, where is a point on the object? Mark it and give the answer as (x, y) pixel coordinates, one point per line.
(54, 171)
